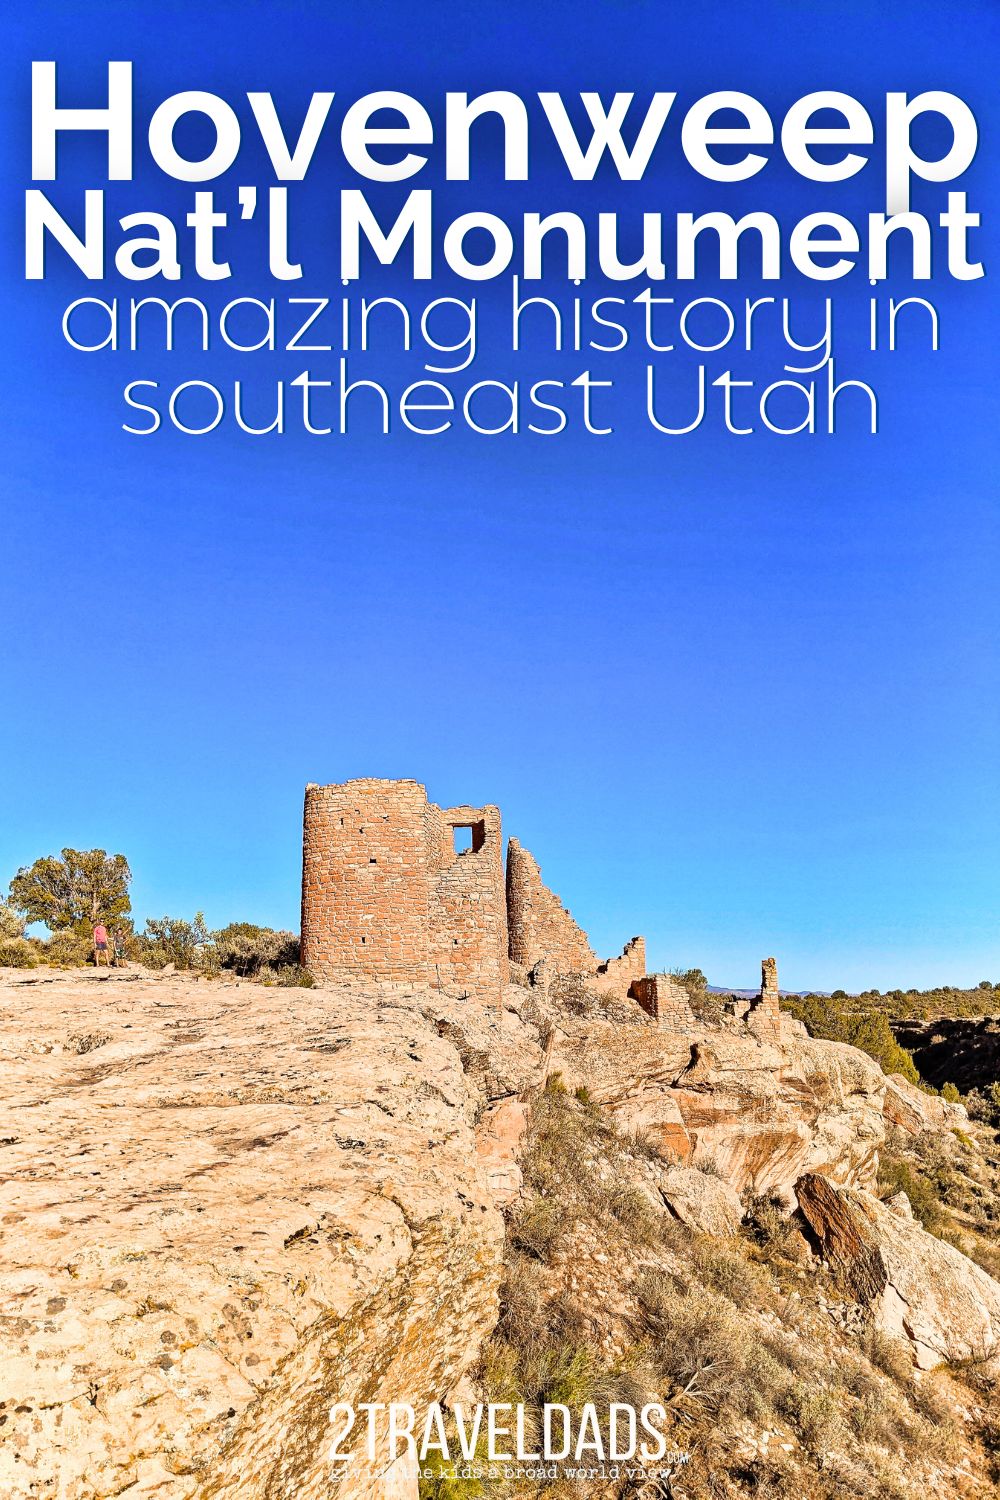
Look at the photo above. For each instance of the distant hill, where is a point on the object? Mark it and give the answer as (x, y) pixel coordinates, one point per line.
(728, 989)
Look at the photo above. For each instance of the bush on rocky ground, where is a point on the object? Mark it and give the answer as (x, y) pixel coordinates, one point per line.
(11, 922)
(953, 1183)
(605, 1298)
(17, 953)
(984, 1104)
(291, 976)
(172, 940)
(247, 949)
(242, 948)
(868, 1029)
(66, 950)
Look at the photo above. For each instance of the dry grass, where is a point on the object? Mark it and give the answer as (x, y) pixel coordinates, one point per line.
(704, 1326)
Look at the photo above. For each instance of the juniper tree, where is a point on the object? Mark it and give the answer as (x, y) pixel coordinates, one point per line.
(74, 890)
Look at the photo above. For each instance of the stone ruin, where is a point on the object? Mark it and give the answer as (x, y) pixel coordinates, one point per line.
(398, 890)
(763, 1013)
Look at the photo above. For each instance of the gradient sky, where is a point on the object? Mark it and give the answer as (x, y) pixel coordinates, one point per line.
(739, 694)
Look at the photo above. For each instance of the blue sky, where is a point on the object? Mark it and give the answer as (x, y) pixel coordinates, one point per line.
(739, 694)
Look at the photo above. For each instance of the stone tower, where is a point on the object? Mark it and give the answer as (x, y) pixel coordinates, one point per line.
(387, 894)
(770, 995)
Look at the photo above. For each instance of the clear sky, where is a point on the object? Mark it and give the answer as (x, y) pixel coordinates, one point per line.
(738, 694)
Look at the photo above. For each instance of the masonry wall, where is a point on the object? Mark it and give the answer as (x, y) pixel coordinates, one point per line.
(386, 896)
(764, 1014)
(770, 995)
(538, 923)
(467, 934)
(365, 880)
(663, 998)
(617, 975)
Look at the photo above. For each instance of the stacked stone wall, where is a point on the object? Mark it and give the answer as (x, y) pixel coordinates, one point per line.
(539, 925)
(385, 894)
(663, 998)
(467, 936)
(617, 975)
(770, 995)
(764, 1015)
(365, 880)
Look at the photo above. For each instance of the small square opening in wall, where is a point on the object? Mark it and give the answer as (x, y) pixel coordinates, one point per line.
(469, 838)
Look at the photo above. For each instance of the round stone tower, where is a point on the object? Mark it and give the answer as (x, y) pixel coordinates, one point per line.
(365, 880)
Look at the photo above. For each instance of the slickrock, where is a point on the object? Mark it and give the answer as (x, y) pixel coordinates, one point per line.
(912, 1283)
(223, 1209)
(762, 1111)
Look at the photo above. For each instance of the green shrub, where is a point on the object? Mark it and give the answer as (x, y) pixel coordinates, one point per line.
(293, 976)
(11, 922)
(813, 1411)
(16, 953)
(538, 1228)
(67, 950)
(703, 1354)
(246, 948)
(641, 1143)
(985, 1106)
(889, 1354)
(440, 1478)
(709, 1167)
(725, 1268)
(895, 1175)
(858, 1026)
(765, 1223)
(172, 940)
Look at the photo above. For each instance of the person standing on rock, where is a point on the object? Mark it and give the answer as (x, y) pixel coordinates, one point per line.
(118, 939)
(101, 945)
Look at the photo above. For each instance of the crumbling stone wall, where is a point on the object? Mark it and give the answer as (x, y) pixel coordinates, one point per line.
(539, 925)
(764, 1013)
(770, 995)
(617, 975)
(386, 895)
(665, 999)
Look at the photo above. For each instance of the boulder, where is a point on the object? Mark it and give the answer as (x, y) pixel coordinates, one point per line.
(706, 1204)
(499, 1136)
(914, 1110)
(912, 1283)
(499, 1052)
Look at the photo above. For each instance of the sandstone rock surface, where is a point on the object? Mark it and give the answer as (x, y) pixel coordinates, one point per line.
(704, 1203)
(223, 1208)
(913, 1110)
(763, 1111)
(913, 1284)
